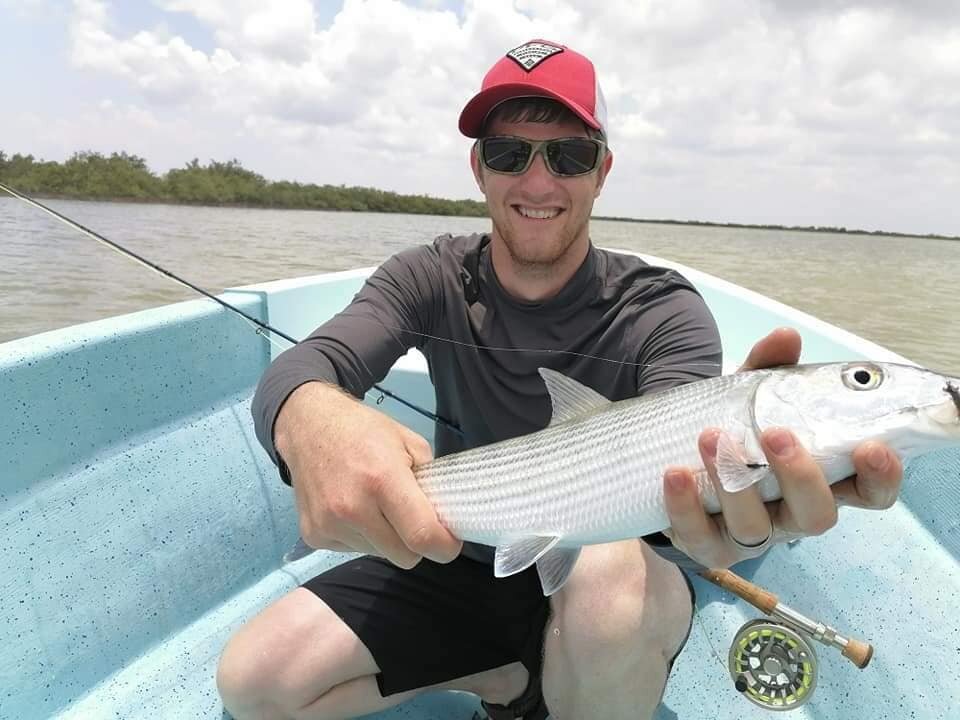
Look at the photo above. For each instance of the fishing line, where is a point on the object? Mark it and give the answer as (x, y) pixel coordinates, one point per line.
(539, 350)
(265, 330)
(258, 324)
(706, 634)
(261, 328)
(142, 260)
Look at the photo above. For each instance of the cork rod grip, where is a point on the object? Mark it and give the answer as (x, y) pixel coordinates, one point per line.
(744, 589)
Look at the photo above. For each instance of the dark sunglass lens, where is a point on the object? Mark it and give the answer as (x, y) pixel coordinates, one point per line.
(505, 154)
(572, 157)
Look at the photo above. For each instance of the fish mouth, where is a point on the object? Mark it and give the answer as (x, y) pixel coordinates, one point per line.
(953, 391)
(947, 412)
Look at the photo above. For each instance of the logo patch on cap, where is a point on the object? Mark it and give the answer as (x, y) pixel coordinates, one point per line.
(532, 54)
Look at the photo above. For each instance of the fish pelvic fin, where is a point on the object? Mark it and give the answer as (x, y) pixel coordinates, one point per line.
(298, 551)
(735, 468)
(518, 555)
(569, 398)
(555, 567)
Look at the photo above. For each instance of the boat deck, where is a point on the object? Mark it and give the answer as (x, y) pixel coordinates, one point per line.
(142, 524)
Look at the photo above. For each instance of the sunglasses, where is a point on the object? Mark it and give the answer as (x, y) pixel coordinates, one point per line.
(565, 157)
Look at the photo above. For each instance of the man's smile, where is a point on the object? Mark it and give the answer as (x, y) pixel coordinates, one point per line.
(547, 213)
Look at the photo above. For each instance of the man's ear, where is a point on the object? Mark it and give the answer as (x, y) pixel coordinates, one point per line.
(602, 175)
(475, 166)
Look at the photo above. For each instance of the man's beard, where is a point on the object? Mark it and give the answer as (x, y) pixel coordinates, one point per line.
(538, 261)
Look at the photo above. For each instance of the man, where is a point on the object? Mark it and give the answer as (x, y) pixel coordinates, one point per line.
(420, 611)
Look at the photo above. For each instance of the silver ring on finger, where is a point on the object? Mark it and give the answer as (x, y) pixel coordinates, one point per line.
(754, 549)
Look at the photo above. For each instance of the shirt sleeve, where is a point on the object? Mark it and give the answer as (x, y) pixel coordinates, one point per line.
(682, 344)
(356, 348)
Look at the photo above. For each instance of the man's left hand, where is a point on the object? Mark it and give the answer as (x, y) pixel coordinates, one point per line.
(809, 504)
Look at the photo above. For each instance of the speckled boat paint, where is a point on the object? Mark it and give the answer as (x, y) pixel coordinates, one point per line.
(130, 556)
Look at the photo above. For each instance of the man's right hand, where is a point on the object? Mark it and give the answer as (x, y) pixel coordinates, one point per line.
(351, 468)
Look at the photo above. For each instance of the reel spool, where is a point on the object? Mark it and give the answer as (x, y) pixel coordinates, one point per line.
(772, 665)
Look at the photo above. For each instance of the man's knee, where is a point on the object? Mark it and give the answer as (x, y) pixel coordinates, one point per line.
(287, 657)
(616, 625)
(626, 600)
(245, 681)
(258, 676)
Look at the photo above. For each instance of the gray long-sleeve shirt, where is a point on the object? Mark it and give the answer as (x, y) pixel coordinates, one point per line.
(620, 326)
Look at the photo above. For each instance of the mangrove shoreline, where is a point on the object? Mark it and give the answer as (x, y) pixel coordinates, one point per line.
(121, 177)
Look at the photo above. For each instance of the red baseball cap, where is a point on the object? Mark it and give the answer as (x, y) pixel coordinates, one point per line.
(539, 68)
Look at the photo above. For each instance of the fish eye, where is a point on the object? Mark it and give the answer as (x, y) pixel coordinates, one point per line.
(862, 377)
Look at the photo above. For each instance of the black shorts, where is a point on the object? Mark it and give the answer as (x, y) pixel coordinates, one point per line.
(437, 622)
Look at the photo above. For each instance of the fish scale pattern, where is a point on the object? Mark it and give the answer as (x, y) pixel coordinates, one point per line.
(593, 478)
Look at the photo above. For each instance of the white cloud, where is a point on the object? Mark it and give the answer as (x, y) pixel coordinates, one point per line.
(757, 95)
(635, 125)
(286, 35)
(165, 70)
(279, 30)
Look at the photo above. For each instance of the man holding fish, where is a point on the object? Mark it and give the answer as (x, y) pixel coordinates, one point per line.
(421, 609)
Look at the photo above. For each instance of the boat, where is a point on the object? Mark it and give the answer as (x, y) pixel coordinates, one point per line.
(142, 523)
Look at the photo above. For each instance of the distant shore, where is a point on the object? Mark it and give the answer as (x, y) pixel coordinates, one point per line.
(125, 178)
(789, 228)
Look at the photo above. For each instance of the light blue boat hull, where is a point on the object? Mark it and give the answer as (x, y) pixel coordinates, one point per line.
(142, 523)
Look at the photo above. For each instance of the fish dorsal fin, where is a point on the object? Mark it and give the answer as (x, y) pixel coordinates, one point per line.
(518, 555)
(569, 398)
(555, 567)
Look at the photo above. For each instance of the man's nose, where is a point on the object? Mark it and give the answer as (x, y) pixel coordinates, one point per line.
(538, 174)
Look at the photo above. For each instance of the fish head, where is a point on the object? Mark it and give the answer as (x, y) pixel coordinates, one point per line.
(834, 407)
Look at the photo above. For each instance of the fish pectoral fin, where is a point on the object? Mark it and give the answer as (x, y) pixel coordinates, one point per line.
(520, 554)
(569, 398)
(735, 469)
(555, 567)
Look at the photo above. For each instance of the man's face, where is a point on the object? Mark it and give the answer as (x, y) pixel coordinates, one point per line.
(539, 216)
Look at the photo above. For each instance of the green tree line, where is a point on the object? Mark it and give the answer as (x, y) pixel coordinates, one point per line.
(120, 176)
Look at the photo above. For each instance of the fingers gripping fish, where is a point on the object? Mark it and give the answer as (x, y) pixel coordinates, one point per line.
(595, 473)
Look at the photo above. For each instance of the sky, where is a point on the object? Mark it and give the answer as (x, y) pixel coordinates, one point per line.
(822, 112)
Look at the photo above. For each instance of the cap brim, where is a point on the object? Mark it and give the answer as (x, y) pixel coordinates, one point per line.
(480, 105)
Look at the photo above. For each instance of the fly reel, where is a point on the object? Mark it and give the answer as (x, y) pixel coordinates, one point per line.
(772, 665)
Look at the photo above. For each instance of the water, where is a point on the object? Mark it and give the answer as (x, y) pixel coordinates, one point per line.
(898, 292)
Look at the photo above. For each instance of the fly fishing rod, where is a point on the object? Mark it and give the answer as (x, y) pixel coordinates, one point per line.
(772, 663)
(260, 325)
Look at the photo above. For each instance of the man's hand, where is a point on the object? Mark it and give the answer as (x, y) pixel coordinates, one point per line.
(809, 504)
(351, 468)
